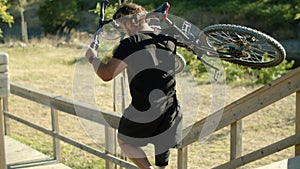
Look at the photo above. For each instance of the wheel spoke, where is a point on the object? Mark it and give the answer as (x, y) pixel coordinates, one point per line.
(259, 51)
(243, 45)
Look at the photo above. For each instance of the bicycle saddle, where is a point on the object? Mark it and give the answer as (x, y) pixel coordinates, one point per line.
(161, 12)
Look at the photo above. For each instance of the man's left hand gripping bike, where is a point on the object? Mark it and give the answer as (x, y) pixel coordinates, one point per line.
(233, 43)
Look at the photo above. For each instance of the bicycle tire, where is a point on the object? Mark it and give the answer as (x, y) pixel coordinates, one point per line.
(180, 63)
(257, 56)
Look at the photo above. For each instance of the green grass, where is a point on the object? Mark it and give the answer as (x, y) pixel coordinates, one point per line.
(44, 67)
(49, 69)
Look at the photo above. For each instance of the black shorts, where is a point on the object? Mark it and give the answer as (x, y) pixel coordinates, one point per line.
(164, 132)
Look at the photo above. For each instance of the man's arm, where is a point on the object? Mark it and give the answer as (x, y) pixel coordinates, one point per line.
(105, 71)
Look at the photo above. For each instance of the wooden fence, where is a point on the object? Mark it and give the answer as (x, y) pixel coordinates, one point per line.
(233, 115)
(249, 104)
(4, 92)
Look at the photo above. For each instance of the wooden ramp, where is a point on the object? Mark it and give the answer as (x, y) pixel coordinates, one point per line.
(292, 163)
(21, 156)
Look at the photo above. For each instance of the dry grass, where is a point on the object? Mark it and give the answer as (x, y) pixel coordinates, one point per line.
(51, 69)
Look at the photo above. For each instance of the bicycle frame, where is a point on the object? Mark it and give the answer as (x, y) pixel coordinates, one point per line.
(184, 38)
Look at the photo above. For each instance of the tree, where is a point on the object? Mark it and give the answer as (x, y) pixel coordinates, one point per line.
(23, 22)
(4, 15)
(58, 16)
(297, 8)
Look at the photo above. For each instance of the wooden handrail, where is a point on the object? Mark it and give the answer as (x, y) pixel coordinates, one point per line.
(230, 115)
(86, 111)
(82, 110)
(247, 105)
(263, 152)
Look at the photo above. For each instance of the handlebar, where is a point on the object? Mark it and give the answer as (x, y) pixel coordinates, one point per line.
(103, 4)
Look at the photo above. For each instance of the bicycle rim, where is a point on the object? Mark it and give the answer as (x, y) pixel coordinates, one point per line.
(242, 45)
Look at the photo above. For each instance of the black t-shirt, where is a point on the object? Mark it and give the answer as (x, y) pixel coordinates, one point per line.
(150, 67)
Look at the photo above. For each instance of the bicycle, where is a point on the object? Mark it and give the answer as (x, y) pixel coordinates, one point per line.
(233, 43)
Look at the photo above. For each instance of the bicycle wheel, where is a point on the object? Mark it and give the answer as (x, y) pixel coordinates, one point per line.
(179, 63)
(242, 45)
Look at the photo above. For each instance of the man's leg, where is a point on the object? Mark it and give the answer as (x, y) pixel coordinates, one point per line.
(170, 137)
(136, 155)
(162, 160)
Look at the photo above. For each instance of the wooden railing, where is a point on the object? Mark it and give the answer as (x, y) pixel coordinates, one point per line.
(57, 103)
(232, 115)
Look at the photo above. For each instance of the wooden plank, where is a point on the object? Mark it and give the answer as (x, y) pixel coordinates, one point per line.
(245, 106)
(86, 111)
(297, 147)
(6, 120)
(2, 145)
(236, 136)
(4, 85)
(96, 152)
(182, 158)
(45, 166)
(3, 58)
(3, 68)
(292, 163)
(27, 123)
(263, 152)
(109, 145)
(31, 94)
(23, 157)
(75, 143)
(55, 129)
(18, 153)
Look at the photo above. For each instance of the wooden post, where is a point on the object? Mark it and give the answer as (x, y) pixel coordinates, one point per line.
(236, 139)
(110, 134)
(6, 119)
(4, 92)
(182, 158)
(4, 81)
(2, 145)
(55, 130)
(297, 147)
(109, 145)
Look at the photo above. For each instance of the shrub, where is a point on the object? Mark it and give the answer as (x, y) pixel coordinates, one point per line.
(235, 73)
(242, 74)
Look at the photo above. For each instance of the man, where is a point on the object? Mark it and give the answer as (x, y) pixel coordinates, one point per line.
(153, 115)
